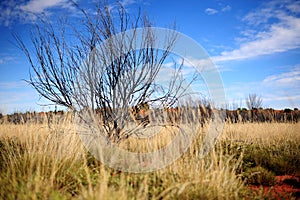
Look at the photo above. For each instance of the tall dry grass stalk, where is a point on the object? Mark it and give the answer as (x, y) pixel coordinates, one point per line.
(262, 133)
(37, 158)
(48, 161)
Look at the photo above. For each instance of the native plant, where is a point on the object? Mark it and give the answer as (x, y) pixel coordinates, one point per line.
(105, 62)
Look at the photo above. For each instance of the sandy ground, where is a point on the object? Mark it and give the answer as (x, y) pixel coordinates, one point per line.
(287, 187)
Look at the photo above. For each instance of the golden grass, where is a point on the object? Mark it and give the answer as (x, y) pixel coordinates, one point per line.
(262, 133)
(42, 161)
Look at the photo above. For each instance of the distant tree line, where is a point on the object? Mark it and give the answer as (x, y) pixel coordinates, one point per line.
(174, 115)
(141, 115)
(262, 115)
(32, 117)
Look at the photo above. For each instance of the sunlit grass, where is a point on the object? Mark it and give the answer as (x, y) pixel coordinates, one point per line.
(48, 161)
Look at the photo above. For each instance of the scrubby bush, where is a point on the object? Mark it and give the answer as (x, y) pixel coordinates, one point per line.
(259, 176)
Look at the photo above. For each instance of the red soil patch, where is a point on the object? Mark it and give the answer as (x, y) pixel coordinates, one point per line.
(287, 186)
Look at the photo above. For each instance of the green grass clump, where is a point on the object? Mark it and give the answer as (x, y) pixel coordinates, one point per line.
(259, 176)
(281, 159)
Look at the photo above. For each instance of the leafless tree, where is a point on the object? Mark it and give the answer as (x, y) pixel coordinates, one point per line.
(253, 101)
(85, 67)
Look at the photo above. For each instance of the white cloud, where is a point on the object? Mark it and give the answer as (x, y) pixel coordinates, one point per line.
(39, 6)
(199, 63)
(272, 30)
(277, 90)
(280, 98)
(127, 2)
(272, 95)
(290, 78)
(19, 96)
(206, 64)
(211, 11)
(12, 85)
(284, 100)
(13, 10)
(6, 59)
(18, 100)
(294, 7)
(226, 8)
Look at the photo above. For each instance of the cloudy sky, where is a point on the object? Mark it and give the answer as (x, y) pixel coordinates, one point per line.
(254, 44)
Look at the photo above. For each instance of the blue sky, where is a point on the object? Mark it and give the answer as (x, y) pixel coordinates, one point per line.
(254, 44)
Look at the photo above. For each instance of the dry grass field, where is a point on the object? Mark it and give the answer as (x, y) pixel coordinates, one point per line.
(48, 161)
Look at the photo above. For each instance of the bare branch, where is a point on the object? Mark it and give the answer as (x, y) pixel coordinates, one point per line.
(92, 71)
(253, 101)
